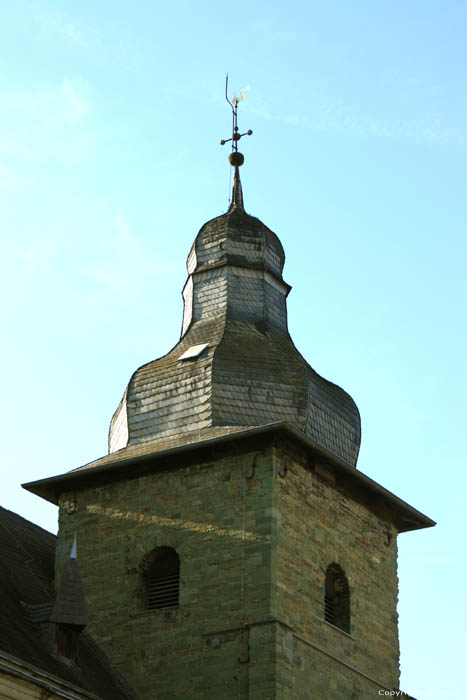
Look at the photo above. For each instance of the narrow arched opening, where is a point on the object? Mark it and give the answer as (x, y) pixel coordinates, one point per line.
(161, 579)
(337, 598)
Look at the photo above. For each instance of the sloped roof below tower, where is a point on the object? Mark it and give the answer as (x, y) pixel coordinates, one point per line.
(27, 555)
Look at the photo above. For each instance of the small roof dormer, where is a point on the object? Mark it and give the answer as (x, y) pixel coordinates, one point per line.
(70, 605)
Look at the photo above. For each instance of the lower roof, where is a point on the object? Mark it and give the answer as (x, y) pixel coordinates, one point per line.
(27, 557)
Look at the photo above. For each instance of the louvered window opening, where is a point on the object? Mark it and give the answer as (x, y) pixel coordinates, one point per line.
(337, 599)
(162, 579)
(163, 592)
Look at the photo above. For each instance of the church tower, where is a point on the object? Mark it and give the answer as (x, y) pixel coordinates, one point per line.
(229, 547)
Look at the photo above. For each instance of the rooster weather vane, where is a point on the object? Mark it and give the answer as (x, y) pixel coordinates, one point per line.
(235, 158)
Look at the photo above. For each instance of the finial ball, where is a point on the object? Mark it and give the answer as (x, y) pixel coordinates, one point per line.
(236, 158)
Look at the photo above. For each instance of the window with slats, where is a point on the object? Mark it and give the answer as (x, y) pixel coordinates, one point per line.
(337, 598)
(162, 579)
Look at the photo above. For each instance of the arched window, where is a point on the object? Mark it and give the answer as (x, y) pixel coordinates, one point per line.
(162, 579)
(337, 598)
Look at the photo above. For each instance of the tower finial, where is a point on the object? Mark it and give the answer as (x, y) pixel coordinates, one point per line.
(235, 157)
(237, 193)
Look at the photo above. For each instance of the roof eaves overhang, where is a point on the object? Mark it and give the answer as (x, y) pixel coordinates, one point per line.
(52, 685)
(346, 475)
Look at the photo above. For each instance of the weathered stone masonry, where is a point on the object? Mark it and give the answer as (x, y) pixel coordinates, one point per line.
(318, 524)
(255, 532)
(220, 524)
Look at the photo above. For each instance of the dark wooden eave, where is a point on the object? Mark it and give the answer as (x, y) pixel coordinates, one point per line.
(345, 476)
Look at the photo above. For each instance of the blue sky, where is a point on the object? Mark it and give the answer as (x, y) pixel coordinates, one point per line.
(110, 121)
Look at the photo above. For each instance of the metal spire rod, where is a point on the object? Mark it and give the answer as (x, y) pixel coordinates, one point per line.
(235, 157)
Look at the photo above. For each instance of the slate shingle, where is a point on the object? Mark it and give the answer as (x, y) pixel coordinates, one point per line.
(251, 373)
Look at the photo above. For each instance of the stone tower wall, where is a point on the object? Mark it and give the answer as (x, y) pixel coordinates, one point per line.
(219, 523)
(317, 525)
(254, 533)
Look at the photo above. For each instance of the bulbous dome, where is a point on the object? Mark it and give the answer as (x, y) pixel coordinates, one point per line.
(236, 238)
(235, 365)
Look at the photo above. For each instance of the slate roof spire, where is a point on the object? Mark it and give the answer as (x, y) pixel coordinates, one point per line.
(73, 551)
(235, 365)
(237, 192)
(70, 604)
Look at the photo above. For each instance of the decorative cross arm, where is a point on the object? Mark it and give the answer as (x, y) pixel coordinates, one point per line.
(235, 157)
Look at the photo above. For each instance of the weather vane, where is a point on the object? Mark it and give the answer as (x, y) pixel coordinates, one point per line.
(235, 158)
